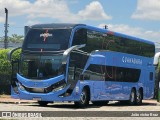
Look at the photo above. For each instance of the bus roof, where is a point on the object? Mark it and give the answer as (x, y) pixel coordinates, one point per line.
(122, 35)
(55, 25)
(69, 25)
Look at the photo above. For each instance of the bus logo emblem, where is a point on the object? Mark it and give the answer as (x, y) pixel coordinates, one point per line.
(45, 35)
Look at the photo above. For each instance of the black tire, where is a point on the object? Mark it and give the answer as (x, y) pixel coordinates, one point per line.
(139, 98)
(100, 103)
(43, 103)
(123, 102)
(132, 99)
(84, 99)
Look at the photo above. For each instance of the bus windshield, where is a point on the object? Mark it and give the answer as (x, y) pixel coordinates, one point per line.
(41, 67)
(47, 39)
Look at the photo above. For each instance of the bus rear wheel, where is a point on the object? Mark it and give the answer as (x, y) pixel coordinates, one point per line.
(132, 99)
(43, 103)
(139, 97)
(100, 103)
(84, 99)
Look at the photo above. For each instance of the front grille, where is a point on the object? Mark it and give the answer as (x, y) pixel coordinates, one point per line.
(53, 87)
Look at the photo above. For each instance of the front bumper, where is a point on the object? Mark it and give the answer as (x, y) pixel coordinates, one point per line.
(50, 96)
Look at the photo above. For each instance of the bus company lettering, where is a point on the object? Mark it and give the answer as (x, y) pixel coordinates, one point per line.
(131, 60)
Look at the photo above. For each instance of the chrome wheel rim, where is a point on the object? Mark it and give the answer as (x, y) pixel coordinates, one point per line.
(138, 97)
(132, 97)
(83, 97)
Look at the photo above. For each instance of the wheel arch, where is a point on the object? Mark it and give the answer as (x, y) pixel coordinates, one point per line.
(133, 88)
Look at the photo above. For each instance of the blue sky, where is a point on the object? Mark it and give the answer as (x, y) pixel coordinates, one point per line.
(140, 18)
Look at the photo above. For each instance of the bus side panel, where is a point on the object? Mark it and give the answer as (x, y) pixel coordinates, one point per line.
(98, 91)
(149, 84)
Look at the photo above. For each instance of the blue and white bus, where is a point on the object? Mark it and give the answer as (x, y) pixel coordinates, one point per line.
(81, 63)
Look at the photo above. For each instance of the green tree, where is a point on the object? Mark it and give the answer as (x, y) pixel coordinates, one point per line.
(1, 39)
(5, 65)
(6, 70)
(16, 38)
(157, 80)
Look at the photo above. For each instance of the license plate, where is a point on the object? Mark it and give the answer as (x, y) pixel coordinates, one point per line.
(38, 90)
(37, 99)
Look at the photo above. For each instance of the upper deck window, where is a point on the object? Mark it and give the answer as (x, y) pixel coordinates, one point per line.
(47, 39)
(95, 40)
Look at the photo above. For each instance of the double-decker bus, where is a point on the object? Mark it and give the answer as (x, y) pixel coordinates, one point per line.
(81, 63)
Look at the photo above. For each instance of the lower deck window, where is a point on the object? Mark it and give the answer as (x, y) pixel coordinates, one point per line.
(112, 73)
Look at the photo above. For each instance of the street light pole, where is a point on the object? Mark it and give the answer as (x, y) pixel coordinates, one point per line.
(105, 27)
(6, 30)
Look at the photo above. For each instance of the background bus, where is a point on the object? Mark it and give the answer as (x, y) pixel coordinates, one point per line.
(81, 63)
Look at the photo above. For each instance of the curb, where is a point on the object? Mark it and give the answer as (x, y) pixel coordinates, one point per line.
(158, 103)
(151, 102)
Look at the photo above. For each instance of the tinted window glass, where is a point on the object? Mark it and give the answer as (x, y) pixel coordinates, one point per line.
(47, 39)
(41, 67)
(80, 37)
(101, 41)
(94, 72)
(77, 63)
(130, 46)
(112, 73)
(94, 41)
(127, 74)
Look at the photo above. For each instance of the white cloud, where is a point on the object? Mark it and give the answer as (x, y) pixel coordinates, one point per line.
(135, 31)
(1, 19)
(94, 11)
(56, 9)
(15, 7)
(32, 22)
(124, 29)
(147, 9)
(59, 10)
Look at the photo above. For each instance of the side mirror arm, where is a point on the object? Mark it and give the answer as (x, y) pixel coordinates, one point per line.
(11, 52)
(69, 50)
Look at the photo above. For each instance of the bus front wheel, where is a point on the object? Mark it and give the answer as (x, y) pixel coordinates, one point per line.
(84, 99)
(132, 99)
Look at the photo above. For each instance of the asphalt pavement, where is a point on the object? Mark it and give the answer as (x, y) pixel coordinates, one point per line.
(7, 99)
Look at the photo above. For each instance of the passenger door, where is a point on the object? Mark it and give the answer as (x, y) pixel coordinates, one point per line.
(149, 84)
(75, 69)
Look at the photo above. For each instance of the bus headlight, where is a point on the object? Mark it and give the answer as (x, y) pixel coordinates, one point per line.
(21, 86)
(58, 88)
